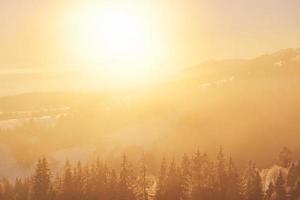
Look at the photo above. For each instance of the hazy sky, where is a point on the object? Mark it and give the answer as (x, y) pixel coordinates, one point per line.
(33, 31)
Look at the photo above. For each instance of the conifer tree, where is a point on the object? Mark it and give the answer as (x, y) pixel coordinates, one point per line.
(203, 177)
(285, 157)
(1, 190)
(295, 191)
(21, 189)
(112, 186)
(100, 180)
(7, 188)
(143, 183)
(233, 182)
(269, 195)
(252, 184)
(173, 189)
(91, 187)
(41, 181)
(161, 185)
(221, 179)
(197, 164)
(78, 182)
(67, 183)
(292, 175)
(257, 187)
(280, 193)
(126, 185)
(87, 181)
(195, 179)
(57, 187)
(186, 177)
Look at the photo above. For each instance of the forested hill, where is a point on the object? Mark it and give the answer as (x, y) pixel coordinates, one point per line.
(251, 107)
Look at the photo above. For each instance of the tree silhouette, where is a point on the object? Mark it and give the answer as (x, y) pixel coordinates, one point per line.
(252, 184)
(285, 157)
(41, 181)
(126, 184)
(270, 192)
(280, 193)
(67, 185)
(221, 179)
(161, 185)
(195, 177)
(186, 177)
(233, 182)
(295, 191)
(143, 182)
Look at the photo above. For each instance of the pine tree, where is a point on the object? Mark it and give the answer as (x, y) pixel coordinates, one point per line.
(270, 192)
(112, 186)
(100, 180)
(21, 190)
(7, 188)
(197, 175)
(280, 193)
(252, 184)
(143, 183)
(1, 190)
(78, 182)
(295, 191)
(297, 170)
(41, 181)
(91, 187)
(292, 175)
(195, 179)
(285, 157)
(87, 181)
(221, 175)
(203, 178)
(161, 186)
(173, 190)
(126, 185)
(186, 177)
(67, 183)
(233, 184)
(257, 187)
(57, 187)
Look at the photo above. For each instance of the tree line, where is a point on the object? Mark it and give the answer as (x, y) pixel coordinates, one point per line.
(194, 177)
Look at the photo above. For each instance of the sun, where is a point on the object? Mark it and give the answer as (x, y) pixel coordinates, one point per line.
(120, 42)
(119, 33)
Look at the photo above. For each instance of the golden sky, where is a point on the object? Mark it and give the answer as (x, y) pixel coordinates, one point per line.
(62, 33)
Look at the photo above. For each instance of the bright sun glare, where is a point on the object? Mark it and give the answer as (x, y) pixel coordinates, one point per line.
(120, 43)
